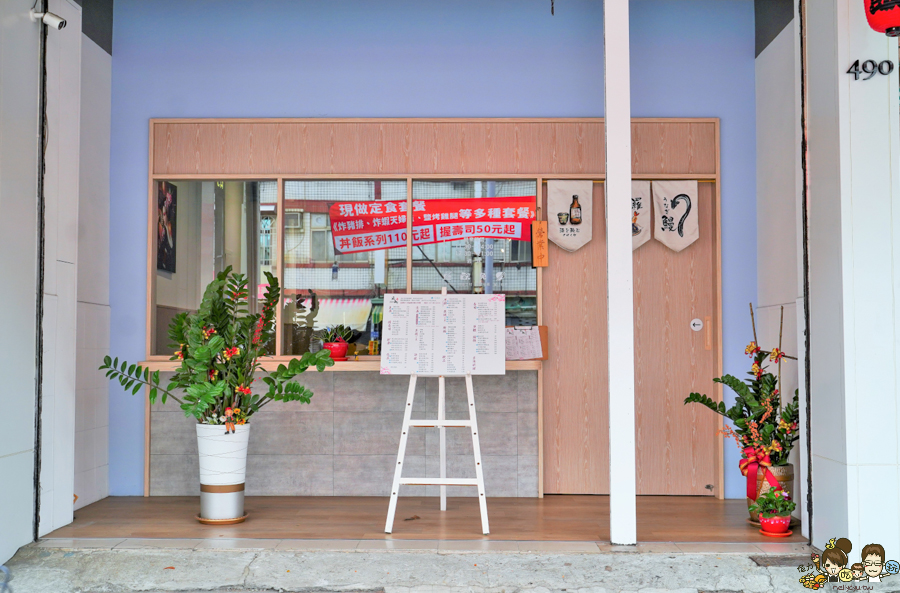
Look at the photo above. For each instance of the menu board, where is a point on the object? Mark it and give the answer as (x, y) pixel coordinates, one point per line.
(434, 334)
(523, 343)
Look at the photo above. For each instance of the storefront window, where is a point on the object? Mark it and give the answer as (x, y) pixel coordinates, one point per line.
(202, 228)
(479, 265)
(348, 287)
(205, 226)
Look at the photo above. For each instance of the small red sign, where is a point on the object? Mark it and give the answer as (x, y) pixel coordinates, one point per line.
(370, 226)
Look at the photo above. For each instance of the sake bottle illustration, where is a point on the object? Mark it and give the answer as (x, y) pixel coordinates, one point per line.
(575, 211)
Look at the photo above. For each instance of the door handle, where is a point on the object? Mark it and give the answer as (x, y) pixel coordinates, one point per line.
(707, 322)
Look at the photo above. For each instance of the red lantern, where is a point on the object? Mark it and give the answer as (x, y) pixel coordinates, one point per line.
(884, 16)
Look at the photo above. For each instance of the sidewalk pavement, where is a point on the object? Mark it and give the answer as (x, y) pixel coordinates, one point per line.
(117, 566)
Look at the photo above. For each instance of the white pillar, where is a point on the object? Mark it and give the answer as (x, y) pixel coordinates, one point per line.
(20, 70)
(620, 304)
(854, 276)
(64, 431)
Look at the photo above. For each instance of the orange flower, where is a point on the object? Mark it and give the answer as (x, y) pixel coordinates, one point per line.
(776, 355)
(751, 349)
(728, 432)
(756, 370)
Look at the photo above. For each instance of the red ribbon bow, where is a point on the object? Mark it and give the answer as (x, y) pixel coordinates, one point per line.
(753, 458)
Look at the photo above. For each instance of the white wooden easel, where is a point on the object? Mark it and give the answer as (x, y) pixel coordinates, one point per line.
(442, 424)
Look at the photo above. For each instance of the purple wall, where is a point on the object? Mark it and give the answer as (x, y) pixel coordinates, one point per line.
(495, 58)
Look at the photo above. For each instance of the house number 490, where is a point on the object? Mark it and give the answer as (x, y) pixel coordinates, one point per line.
(871, 68)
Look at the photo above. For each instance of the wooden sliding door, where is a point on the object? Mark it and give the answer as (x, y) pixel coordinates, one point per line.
(676, 444)
(576, 381)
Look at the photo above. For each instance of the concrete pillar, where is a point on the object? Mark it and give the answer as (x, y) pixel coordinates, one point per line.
(854, 277)
(620, 292)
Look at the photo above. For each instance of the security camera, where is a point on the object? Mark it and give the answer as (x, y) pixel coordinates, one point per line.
(54, 21)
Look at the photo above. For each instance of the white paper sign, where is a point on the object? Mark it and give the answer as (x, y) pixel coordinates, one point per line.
(523, 343)
(437, 334)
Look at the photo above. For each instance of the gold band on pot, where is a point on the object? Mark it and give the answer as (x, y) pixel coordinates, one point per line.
(222, 489)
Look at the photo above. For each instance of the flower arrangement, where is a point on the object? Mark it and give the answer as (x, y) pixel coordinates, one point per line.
(760, 422)
(774, 503)
(335, 333)
(219, 348)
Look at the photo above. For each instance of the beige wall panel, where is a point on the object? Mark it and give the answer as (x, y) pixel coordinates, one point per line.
(396, 146)
(674, 147)
(272, 147)
(210, 147)
(704, 152)
(416, 147)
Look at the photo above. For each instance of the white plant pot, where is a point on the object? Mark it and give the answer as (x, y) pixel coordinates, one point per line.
(223, 468)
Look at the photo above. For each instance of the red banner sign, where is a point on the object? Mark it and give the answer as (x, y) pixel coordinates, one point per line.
(370, 226)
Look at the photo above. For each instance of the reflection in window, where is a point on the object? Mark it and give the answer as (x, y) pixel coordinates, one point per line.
(348, 286)
(206, 226)
(479, 265)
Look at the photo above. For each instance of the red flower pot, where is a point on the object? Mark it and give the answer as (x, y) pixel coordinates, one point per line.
(338, 350)
(775, 524)
(884, 16)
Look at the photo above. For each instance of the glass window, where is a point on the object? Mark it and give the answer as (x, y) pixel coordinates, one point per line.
(479, 265)
(203, 227)
(347, 287)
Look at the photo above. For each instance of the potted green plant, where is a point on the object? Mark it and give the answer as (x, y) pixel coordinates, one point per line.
(219, 348)
(335, 339)
(764, 429)
(774, 508)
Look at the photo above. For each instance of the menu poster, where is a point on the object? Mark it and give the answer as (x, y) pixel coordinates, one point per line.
(523, 343)
(460, 334)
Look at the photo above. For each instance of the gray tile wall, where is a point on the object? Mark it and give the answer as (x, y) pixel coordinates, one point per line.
(345, 442)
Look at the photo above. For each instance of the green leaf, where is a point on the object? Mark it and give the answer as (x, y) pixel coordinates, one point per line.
(736, 385)
(136, 388)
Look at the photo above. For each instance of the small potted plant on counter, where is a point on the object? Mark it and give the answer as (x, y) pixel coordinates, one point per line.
(335, 340)
(774, 509)
(219, 348)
